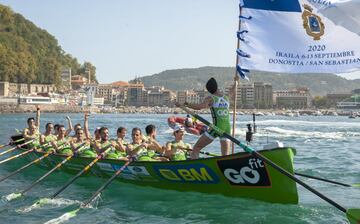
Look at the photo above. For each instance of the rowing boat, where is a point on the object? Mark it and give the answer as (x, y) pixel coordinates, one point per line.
(237, 175)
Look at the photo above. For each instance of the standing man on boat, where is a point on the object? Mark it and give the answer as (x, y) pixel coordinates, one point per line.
(219, 105)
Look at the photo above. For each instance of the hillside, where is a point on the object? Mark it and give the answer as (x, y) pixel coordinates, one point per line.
(319, 84)
(29, 54)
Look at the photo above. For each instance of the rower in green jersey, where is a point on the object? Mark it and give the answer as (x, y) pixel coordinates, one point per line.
(47, 138)
(177, 150)
(219, 105)
(154, 145)
(105, 143)
(120, 141)
(81, 145)
(139, 148)
(32, 133)
(61, 144)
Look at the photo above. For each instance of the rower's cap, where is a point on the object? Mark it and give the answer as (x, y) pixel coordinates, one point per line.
(211, 85)
(179, 128)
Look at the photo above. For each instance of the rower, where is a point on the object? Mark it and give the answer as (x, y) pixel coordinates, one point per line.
(154, 145)
(61, 145)
(32, 133)
(219, 105)
(68, 131)
(32, 122)
(176, 150)
(120, 141)
(105, 144)
(85, 150)
(139, 148)
(97, 136)
(47, 137)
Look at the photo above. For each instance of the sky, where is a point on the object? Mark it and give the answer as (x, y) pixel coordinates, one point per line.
(129, 38)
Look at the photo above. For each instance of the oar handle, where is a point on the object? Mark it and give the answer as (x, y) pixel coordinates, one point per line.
(205, 153)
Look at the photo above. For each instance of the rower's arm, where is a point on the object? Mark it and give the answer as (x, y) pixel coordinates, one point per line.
(120, 147)
(86, 126)
(70, 126)
(26, 134)
(38, 117)
(205, 104)
(98, 148)
(42, 139)
(154, 145)
(168, 152)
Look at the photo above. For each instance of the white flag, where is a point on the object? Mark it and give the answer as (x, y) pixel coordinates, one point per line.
(299, 36)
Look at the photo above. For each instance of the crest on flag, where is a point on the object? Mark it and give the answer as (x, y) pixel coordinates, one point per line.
(312, 23)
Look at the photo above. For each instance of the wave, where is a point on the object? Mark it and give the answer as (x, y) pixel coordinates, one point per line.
(303, 123)
(280, 132)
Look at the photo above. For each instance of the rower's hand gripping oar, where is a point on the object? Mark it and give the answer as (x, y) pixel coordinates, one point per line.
(17, 155)
(352, 214)
(102, 155)
(16, 147)
(205, 153)
(11, 143)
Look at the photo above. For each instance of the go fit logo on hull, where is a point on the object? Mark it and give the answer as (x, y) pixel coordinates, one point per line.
(247, 172)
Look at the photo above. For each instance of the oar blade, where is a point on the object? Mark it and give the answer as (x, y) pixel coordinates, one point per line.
(355, 185)
(353, 215)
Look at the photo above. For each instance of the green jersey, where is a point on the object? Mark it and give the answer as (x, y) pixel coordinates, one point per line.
(178, 150)
(220, 114)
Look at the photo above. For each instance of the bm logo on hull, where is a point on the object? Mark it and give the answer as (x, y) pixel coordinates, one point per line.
(195, 173)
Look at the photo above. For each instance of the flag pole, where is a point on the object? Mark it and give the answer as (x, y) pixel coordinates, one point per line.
(235, 89)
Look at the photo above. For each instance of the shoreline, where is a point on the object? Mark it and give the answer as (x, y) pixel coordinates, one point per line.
(59, 108)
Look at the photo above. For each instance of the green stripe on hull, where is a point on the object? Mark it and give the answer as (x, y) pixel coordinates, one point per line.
(238, 175)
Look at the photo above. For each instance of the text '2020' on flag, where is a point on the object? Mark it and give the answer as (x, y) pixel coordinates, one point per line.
(299, 36)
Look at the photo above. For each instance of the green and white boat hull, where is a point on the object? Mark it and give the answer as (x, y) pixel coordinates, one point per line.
(237, 175)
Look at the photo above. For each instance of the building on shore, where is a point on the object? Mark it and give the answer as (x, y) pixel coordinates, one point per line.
(191, 96)
(254, 95)
(8, 89)
(334, 98)
(298, 98)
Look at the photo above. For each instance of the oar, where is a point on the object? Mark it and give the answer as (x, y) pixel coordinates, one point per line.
(205, 153)
(73, 213)
(108, 182)
(16, 195)
(16, 147)
(27, 165)
(16, 156)
(326, 180)
(81, 172)
(10, 143)
(352, 214)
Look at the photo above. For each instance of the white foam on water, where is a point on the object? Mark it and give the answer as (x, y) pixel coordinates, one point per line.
(56, 202)
(65, 217)
(307, 123)
(304, 134)
(12, 196)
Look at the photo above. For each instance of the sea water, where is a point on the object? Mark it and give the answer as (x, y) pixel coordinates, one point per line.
(327, 147)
